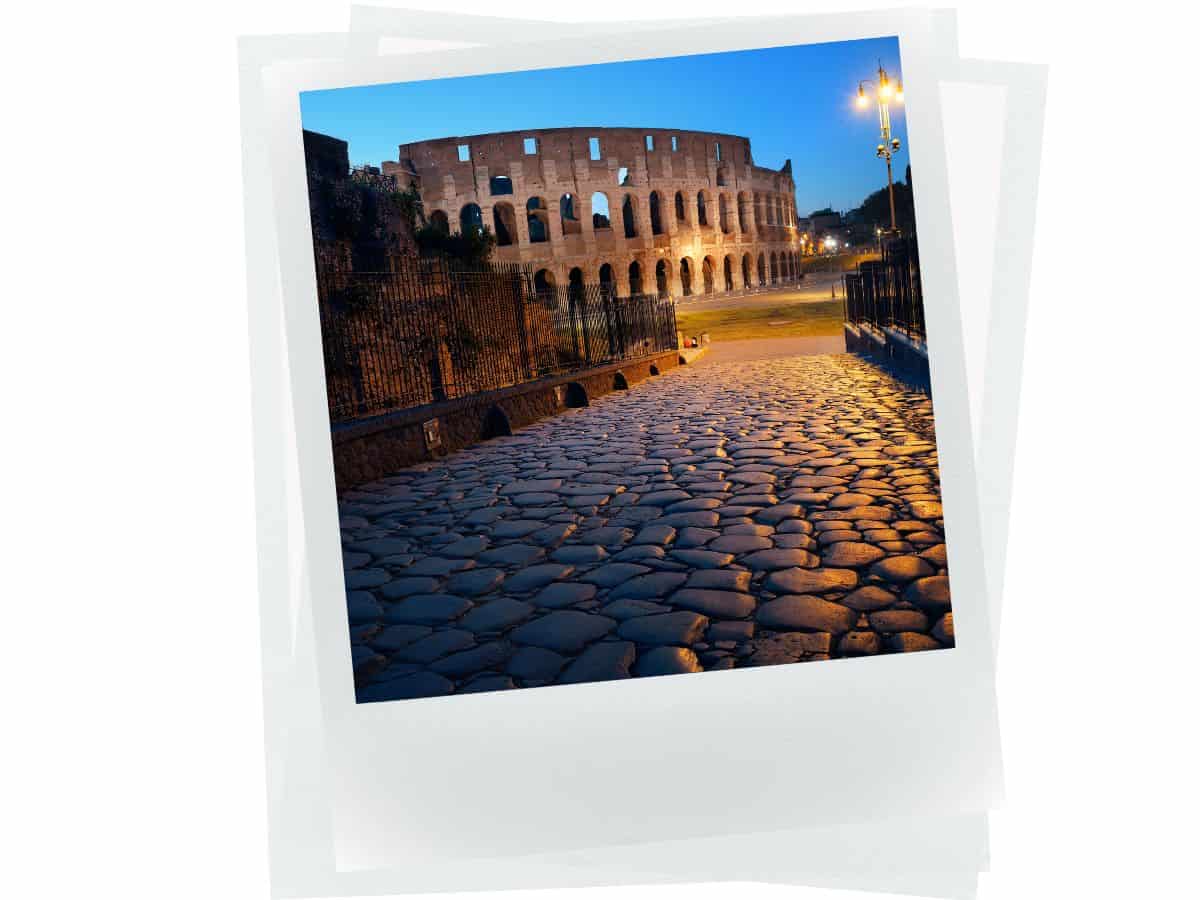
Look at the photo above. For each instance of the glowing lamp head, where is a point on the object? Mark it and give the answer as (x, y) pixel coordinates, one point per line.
(862, 97)
(899, 92)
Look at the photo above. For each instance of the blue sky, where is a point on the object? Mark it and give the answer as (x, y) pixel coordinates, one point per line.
(792, 102)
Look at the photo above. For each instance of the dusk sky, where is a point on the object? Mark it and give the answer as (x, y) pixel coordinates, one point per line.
(791, 102)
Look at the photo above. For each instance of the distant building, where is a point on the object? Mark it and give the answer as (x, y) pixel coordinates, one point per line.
(640, 210)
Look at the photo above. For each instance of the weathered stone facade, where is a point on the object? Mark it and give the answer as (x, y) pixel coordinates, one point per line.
(648, 211)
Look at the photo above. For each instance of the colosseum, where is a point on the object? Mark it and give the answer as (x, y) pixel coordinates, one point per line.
(637, 210)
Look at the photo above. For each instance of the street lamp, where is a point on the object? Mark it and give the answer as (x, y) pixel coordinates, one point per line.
(885, 92)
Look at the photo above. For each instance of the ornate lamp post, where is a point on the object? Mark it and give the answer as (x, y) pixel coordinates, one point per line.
(885, 92)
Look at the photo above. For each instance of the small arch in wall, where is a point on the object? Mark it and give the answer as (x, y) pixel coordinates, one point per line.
(653, 369)
(576, 396)
(495, 424)
(620, 383)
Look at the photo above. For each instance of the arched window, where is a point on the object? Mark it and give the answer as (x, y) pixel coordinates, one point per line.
(539, 220)
(685, 276)
(743, 203)
(607, 283)
(701, 210)
(575, 282)
(440, 221)
(680, 207)
(635, 278)
(662, 278)
(629, 216)
(504, 223)
(709, 269)
(600, 215)
(500, 184)
(568, 211)
(723, 213)
(746, 264)
(471, 218)
(729, 273)
(655, 214)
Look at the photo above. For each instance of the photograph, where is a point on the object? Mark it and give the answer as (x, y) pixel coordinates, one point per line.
(626, 370)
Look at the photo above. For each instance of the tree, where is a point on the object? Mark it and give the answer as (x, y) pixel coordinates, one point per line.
(877, 210)
(474, 246)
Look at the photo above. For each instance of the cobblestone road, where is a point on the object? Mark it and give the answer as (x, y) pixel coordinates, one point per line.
(717, 516)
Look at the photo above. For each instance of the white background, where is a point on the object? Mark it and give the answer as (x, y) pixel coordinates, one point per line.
(130, 660)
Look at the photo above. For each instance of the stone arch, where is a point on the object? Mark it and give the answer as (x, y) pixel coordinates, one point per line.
(538, 217)
(774, 268)
(620, 382)
(495, 424)
(440, 221)
(504, 224)
(746, 267)
(762, 269)
(662, 278)
(656, 226)
(608, 283)
(729, 273)
(702, 209)
(635, 278)
(685, 276)
(709, 270)
(568, 212)
(653, 369)
(575, 396)
(743, 205)
(470, 218)
(600, 212)
(543, 282)
(680, 208)
(629, 215)
(723, 213)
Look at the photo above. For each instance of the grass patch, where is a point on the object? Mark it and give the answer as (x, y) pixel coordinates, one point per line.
(745, 323)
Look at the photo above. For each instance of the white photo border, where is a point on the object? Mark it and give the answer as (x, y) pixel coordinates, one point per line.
(307, 252)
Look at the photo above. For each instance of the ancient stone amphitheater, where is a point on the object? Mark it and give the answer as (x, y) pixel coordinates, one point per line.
(677, 213)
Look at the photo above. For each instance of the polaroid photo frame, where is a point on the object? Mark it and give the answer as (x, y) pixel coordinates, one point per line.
(978, 107)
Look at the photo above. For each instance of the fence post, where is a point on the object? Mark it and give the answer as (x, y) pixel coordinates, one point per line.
(518, 288)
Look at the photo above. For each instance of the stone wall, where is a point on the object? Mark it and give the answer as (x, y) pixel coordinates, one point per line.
(365, 451)
(682, 205)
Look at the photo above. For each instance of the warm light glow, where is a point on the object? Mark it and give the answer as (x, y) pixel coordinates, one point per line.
(885, 90)
(899, 93)
(862, 100)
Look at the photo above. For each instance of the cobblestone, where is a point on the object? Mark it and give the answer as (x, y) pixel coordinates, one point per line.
(719, 516)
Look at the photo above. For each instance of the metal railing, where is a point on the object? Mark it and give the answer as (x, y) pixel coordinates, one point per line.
(886, 293)
(434, 330)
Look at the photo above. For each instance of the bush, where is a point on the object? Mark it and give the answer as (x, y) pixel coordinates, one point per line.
(472, 247)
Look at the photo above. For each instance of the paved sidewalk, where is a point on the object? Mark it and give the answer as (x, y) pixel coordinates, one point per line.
(718, 516)
(772, 348)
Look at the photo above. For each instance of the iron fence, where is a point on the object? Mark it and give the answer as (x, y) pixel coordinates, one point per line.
(886, 293)
(433, 330)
